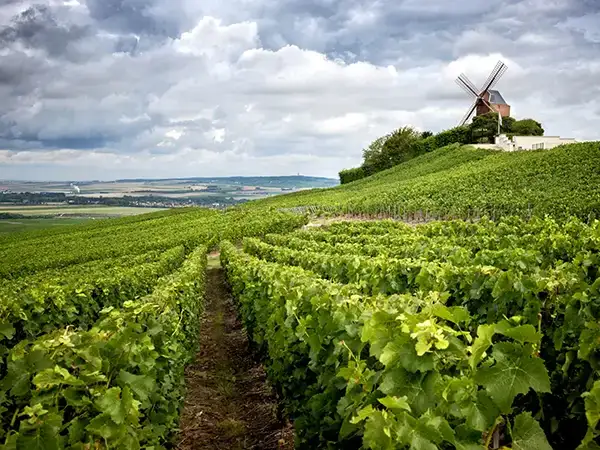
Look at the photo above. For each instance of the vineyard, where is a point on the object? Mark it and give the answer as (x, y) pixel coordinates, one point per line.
(444, 335)
(98, 322)
(378, 334)
(465, 182)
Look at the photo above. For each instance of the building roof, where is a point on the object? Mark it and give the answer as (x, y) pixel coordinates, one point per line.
(496, 98)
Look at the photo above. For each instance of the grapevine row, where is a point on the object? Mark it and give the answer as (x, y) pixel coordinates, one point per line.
(32, 307)
(558, 298)
(386, 372)
(118, 384)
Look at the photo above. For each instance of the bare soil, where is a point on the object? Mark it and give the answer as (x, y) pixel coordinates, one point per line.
(229, 403)
(324, 221)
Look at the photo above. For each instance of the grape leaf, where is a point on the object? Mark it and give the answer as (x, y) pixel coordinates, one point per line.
(521, 333)
(527, 434)
(105, 427)
(44, 438)
(377, 432)
(110, 403)
(403, 351)
(55, 377)
(454, 314)
(7, 330)
(513, 373)
(363, 414)
(141, 385)
(592, 405)
(418, 442)
(482, 343)
(481, 414)
(395, 403)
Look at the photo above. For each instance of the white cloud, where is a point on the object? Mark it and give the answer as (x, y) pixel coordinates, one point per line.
(174, 134)
(588, 25)
(232, 94)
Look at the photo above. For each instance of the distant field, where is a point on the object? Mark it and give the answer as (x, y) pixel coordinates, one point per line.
(13, 225)
(92, 211)
(58, 215)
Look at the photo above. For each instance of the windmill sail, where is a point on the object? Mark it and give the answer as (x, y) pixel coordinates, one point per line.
(485, 97)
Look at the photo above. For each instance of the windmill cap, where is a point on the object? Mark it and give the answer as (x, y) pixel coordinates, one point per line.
(496, 98)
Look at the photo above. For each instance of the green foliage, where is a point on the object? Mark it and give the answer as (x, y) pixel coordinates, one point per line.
(336, 309)
(406, 143)
(396, 363)
(391, 150)
(350, 175)
(458, 135)
(95, 332)
(33, 252)
(464, 182)
(401, 146)
(526, 127)
(373, 154)
(75, 296)
(117, 385)
(484, 128)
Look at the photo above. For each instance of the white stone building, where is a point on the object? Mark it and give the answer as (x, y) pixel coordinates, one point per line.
(503, 142)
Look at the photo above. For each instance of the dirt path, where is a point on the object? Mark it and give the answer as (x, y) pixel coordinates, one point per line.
(229, 404)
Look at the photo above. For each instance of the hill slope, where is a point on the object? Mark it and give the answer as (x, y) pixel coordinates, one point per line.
(463, 182)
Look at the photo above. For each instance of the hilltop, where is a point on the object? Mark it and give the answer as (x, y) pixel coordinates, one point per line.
(463, 181)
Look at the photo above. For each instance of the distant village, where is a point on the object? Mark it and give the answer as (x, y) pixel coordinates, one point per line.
(8, 197)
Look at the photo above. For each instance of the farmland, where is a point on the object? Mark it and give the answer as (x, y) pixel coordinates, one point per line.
(461, 313)
(25, 218)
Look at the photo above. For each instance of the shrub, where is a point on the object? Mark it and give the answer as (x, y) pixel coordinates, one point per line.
(350, 175)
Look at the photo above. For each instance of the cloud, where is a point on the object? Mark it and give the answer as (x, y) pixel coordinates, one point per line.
(164, 87)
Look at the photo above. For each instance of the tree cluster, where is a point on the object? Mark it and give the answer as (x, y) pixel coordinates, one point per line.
(406, 143)
(484, 128)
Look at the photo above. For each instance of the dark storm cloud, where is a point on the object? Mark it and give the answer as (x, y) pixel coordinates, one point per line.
(36, 27)
(389, 30)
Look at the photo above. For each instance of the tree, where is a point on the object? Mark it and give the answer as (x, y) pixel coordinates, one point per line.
(372, 158)
(527, 127)
(426, 134)
(484, 128)
(400, 146)
(390, 150)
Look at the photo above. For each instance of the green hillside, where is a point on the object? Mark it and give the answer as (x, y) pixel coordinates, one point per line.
(462, 181)
(377, 334)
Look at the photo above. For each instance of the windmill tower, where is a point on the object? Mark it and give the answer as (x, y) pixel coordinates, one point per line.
(485, 99)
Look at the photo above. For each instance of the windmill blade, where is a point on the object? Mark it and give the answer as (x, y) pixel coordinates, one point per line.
(468, 84)
(491, 75)
(469, 113)
(494, 76)
(466, 87)
(497, 77)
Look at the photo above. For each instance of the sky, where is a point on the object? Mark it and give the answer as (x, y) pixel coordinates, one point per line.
(106, 89)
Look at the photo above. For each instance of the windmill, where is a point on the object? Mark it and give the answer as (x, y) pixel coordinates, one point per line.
(486, 99)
